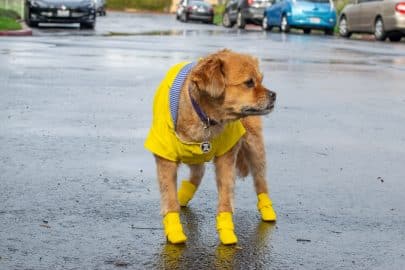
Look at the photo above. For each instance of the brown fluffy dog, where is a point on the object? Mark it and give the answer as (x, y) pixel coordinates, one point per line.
(227, 88)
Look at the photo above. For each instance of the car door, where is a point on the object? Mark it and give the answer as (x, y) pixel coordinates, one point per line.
(232, 9)
(353, 16)
(274, 13)
(369, 11)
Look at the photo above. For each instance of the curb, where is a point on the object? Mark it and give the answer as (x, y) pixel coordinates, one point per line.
(26, 31)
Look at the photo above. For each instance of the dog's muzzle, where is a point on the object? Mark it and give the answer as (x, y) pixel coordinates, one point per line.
(266, 108)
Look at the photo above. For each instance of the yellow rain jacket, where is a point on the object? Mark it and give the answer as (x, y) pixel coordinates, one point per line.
(163, 140)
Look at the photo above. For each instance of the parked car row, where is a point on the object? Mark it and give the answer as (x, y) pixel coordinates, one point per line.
(383, 18)
(61, 11)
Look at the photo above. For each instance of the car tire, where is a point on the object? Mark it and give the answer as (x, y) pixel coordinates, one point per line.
(379, 31)
(240, 21)
(307, 31)
(329, 32)
(395, 37)
(284, 27)
(88, 25)
(265, 23)
(343, 29)
(226, 21)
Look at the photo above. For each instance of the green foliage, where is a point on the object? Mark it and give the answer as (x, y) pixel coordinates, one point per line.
(218, 11)
(340, 4)
(9, 24)
(9, 14)
(154, 5)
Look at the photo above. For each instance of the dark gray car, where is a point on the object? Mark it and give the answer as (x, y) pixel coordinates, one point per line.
(242, 12)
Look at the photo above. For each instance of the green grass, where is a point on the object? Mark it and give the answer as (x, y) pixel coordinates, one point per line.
(9, 24)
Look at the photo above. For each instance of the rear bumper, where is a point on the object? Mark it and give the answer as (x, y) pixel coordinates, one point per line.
(201, 16)
(398, 23)
(313, 22)
(254, 15)
(50, 15)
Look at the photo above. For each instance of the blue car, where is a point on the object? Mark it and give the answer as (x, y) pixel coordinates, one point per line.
(302, 14)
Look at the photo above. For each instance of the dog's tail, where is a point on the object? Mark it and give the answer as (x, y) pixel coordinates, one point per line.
(242, 164)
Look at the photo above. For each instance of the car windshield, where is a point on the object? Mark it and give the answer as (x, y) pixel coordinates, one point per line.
(315, 1)
(199, 3)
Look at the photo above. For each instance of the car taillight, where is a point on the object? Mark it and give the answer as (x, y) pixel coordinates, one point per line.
(250, 2)
(400, 7)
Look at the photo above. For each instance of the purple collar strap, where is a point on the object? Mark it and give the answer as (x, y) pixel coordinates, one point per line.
(203, 117)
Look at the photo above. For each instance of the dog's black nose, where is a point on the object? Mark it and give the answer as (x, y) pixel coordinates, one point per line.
(272, 95)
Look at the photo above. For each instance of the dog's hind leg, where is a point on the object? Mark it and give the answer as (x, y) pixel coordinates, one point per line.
(188, 188)
(253, 150)
(167, 175)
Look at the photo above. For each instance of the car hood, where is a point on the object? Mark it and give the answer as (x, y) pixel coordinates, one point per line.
(66, 3)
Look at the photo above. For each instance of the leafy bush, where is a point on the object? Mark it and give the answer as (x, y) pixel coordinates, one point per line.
(154, 5)
(218, 11)
(6, 13)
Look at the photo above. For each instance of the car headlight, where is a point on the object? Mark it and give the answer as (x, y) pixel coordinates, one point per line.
(36, 3)
(88, 3)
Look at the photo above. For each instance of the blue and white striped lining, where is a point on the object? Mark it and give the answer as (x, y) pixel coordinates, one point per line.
(175, 90)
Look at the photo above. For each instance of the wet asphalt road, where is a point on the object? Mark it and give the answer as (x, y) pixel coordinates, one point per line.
(78, 190)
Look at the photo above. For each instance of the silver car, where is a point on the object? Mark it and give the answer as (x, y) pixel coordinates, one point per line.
(383, 18)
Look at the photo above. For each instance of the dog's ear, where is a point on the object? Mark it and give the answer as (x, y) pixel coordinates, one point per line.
(208, 75)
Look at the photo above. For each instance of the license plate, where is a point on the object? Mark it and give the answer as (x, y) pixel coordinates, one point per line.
(314, 20)
(201, 9)
(62, 13)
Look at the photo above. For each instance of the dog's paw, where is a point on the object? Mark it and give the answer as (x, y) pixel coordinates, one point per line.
(173, 228)
(265, 207)
(186, 192)
(225, 228)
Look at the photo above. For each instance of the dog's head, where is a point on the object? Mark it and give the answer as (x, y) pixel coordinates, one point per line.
(229, 84)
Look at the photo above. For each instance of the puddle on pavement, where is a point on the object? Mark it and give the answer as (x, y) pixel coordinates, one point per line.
(317, 61)
(167, 33)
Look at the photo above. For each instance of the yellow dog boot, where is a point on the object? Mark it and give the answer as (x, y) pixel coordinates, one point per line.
(225, 228)
(265, 207)
(173, 228)
(186, 192)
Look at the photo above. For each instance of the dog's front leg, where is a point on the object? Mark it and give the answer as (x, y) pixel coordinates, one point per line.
(225, 174)
(170, 208)
(189, 187)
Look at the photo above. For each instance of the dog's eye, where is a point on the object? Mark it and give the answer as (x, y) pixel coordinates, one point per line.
(250, 83)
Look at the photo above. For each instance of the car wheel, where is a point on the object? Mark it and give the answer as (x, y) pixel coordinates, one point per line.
(284, 27)
(240, 21)
(88, 25)
(343, 29)
(329, 32)
(379, 31)
(307, 31)
(226, 21)
(395, 37)
(265, 24)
